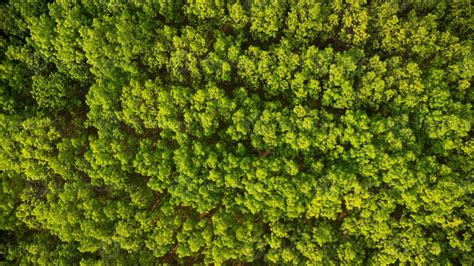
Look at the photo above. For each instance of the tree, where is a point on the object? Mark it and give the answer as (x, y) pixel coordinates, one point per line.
(236, 132)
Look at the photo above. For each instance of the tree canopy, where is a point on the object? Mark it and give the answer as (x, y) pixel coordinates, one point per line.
(236, 132)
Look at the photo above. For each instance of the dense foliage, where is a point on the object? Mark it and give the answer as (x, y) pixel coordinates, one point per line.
(213, 131)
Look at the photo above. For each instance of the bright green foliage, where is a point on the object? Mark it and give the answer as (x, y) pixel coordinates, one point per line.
(229, 132)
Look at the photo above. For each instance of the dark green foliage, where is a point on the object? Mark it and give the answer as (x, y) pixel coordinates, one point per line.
(230, 132)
